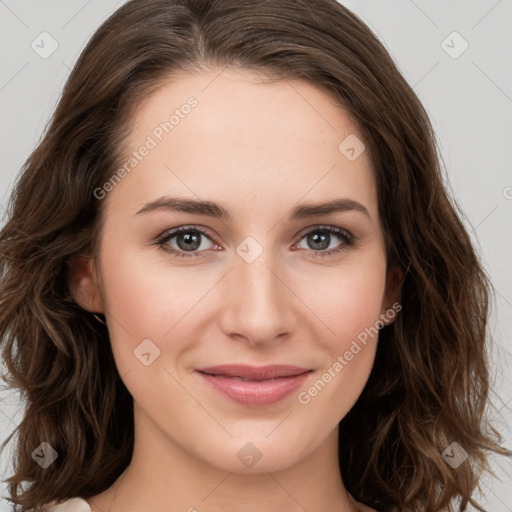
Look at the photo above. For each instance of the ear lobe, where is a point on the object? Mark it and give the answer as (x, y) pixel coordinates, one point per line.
(392, 295)
(83, 283)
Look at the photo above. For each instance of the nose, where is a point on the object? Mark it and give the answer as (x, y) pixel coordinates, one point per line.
(258, 305)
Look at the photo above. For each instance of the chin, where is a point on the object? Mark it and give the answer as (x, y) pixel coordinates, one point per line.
(257, 456)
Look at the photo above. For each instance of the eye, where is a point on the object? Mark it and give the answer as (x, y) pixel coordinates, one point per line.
(188, 239)
(189, 243)
(320, 238)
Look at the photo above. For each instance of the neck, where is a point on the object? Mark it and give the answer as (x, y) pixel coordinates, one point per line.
(162, 474)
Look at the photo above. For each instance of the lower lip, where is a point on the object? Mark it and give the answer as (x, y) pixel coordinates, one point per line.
(263, 392)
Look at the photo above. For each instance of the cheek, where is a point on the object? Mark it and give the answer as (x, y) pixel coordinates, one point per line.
(142, 304)
(157, 301)
(151, 298)
(345, 300)
(349, 310)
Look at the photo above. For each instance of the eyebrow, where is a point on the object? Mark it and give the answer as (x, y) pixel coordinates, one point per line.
(214, 210)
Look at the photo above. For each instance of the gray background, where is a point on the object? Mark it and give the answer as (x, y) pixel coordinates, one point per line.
(467, 94)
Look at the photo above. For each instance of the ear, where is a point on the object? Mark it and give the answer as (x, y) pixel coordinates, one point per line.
(392, 295)
(83, 283)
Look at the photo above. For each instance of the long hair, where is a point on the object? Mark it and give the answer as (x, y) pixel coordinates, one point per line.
(430, 384)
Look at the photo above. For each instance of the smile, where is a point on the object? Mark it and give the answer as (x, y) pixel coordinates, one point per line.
(256, 386)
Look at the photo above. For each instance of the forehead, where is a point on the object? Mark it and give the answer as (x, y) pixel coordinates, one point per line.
(226, 135)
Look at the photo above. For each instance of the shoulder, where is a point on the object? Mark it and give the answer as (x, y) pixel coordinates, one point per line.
(71, 505)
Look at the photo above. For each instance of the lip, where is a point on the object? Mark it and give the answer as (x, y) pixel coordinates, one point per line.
(253, 385)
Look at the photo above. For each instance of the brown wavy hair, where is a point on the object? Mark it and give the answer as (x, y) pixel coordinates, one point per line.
(430, 383)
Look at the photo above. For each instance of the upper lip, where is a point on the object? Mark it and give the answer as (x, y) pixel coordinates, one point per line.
(254, 372)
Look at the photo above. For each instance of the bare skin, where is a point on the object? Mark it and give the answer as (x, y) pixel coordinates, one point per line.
(258, 150)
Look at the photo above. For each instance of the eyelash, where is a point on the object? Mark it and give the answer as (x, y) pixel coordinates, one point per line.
(347, 237)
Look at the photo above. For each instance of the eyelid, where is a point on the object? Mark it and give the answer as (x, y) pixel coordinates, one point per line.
(320, 227)
(171, 233)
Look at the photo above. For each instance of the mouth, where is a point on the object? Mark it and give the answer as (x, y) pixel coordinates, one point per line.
(254, 373)
(250, 385)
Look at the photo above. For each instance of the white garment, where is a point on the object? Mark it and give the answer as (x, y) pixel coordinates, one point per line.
(71, 505)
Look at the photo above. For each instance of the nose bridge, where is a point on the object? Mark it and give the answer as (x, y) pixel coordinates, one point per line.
(260, 304)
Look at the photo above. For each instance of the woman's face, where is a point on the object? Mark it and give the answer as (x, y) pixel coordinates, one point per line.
(264, 284)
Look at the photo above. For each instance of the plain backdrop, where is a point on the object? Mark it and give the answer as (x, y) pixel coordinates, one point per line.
(455, 54)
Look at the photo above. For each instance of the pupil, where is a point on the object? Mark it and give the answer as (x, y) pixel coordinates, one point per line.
(323, 243)
(191, 241)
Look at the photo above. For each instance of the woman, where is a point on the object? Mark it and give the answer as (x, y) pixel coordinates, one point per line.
(293, 315)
